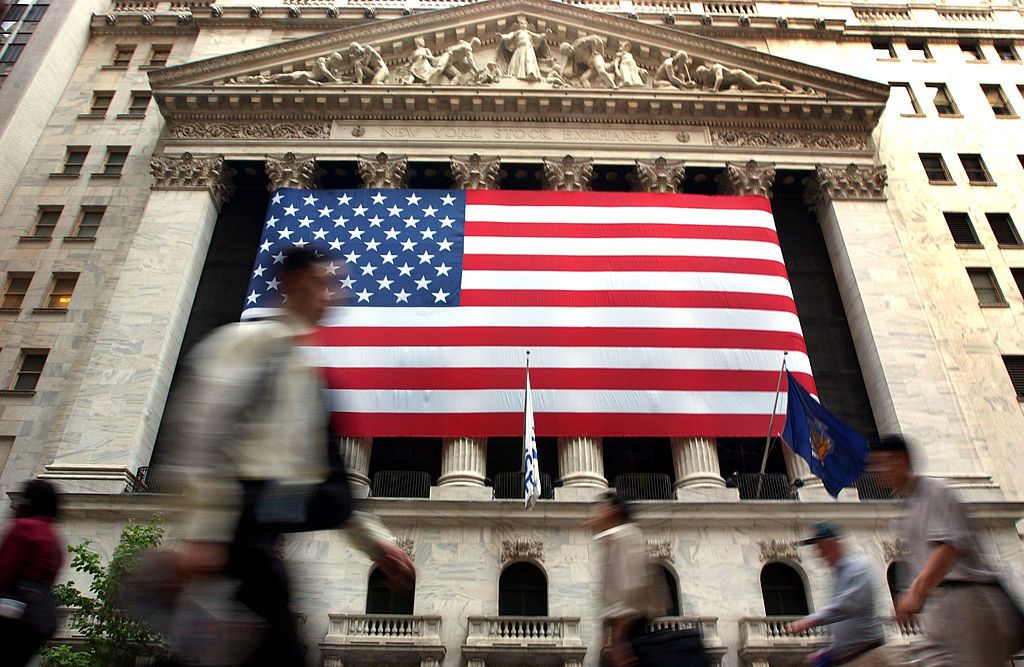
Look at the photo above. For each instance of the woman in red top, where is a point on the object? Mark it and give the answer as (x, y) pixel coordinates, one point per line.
(30, 557)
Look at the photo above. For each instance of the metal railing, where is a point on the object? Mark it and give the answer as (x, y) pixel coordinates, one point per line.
(510, 485)
(770, 486)
(644, 486)
(400, 484)
(869, 488)
(157, 479)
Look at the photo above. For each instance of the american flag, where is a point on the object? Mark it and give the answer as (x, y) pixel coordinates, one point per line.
(645, 314)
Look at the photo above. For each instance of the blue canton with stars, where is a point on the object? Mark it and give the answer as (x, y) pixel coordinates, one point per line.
(386, 247)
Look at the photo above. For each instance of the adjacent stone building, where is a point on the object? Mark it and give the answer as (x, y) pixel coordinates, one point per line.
(142, 139)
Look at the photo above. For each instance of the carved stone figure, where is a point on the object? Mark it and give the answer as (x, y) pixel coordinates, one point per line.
(675, 71)
(746, 179)
(491, 73)
(193, 172)
(326, 69)
(382, 171)
(475, 172)
(627, 73)
(585, 64)
(421, 62)
(716, 77)
(457, 64)
(568, 174)
(659, 175)
(367, 64)
(520, 48)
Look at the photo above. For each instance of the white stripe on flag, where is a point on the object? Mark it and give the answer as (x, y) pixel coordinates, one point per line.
(601, 215)
(619, 247)
(675, 281)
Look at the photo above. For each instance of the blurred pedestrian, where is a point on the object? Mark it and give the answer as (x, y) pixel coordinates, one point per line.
(253, 411)
(857, 634)
(969, 619)
(30, 557)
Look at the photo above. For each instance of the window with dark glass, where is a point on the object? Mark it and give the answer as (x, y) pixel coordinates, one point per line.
(974, 167)
(972, 51)
(381, 598)
(123, 55)
(1018, 277)
(1003, 229)
(89, 222)
(919, 50)
(114, 163)
(673, 592)
(942, 99)
(935, 168)
(883, 49)
(101, 100)
(522, 591)
(159, 55)
(46, 221)
(783, 591)
(902, 96)
(73, 161)
(60, 290)
(997, 100)
(29, 371)
(986, 287)
(961, 229)
(36, 11)
(139, 103)
(1015, 368)
(16, 289)
(1007, 52)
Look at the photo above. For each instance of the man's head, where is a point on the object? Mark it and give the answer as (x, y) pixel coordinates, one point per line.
(826, 540)
(891, 462)
(609, 511)
(305, 282)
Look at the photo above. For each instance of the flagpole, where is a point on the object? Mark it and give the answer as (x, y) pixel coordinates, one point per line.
(771, 425)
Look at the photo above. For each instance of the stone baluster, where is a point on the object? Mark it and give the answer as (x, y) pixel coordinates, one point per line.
(695, 461)
(463, 469)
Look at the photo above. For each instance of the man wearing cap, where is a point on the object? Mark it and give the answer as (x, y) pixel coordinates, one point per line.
(857, 636)
(969, 619)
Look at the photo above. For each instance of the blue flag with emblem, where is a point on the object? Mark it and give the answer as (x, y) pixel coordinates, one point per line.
(834, 451)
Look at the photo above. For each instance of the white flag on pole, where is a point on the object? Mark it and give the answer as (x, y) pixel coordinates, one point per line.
(531, 467)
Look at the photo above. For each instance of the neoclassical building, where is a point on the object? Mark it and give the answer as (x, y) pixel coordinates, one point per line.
(142, 140)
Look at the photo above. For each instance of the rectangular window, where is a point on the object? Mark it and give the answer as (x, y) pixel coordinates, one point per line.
(901, 95)
(883, 49)
(60, 290)
(1003, 229)
(115, 161)
(972, 51)
(101, 100)
(996, 99)
(140, 100)
(1015, 367)
(919, 50)
(942, 99)
(1018, 277)
(1007, 53)
(975, 168)
(29, 372)
(986, 287)
(123, 55)
(37, 11)
(46, 221)
(961, 229)
(159, 55)
(16, 289)
(935, 168)
(89, 222)
(74, 159)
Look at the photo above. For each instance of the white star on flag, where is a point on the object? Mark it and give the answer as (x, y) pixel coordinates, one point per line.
(273, 283)
(403, 296)
(310, 200)
(276, 198)
(290, 210)
(258, 271)
(285, 234)
(252, 297)
(425, 257)
(413, 199)
(326, 212)
(305, 221)
(265, 246)
(405, 270)
(394, 211)
(422, 283)
(448, 200)
(320, 234)
(364, 295)
(360, 210)
(429, 212)
(271, 221)
(388, 257)
(440, 296)
(344, 200)
(385, 283)
(378, 198)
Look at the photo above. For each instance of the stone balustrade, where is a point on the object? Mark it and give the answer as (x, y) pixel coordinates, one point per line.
(706, 625)
(539, 640)
(383, 638)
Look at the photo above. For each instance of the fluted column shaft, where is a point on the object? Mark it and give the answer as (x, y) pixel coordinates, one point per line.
(357, 460)
(463, 462)
(810, 486)
(696, 463)
(581, 462)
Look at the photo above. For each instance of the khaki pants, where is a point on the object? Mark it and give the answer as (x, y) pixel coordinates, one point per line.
(883, 656)
(967, 626)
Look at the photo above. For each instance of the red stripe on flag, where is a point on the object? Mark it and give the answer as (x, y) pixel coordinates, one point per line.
(633, 263)
(619, 230)
(626, 299)
(614, 199)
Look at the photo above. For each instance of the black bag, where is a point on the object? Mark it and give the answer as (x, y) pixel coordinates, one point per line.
(38, 617)
(670, 648)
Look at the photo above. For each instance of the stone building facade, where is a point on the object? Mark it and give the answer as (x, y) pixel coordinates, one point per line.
(886, 135)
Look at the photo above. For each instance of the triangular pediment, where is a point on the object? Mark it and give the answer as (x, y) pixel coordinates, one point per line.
(516, 57)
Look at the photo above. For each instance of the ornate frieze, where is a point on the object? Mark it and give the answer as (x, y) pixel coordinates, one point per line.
(659, 175)
(475, 172)
(568, 174)
(522, 549)
(383, 171)
(254, 130)
(852, 182)
(290, 171)
(408, 546)
(749, 178)
(893, 550)
(660, 550)
(782, 139)
(775, 550)
(193, 172)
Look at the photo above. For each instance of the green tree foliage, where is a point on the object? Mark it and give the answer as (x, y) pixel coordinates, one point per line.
(111, 639)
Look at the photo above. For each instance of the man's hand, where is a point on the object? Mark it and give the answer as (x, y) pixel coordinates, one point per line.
(798, 626)
(397, 565)
(908, 605)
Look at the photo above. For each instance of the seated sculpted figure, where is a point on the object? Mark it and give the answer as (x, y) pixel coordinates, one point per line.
(675, 71)
(585, 64)
(719, 77)
(457, 63)
(367, 64)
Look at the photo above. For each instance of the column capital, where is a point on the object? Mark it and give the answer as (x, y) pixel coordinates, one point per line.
(193, 172)
(291, 171)
(382, 171)
(475, 172)
(747, 178)
(849, 183)
(659, 175)
(568, 174)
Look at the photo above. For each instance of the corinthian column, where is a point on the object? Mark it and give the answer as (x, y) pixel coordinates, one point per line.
(659, 175)
(568, 174)
(290, 171)
(748, 178)
(113, 421)
(383, 171)
(581, 462)
(475, 172)
(357, 463)
(463, 468)
(698, 477)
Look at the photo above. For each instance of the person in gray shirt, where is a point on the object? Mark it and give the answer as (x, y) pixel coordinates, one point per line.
(857, 635)
(969, 619)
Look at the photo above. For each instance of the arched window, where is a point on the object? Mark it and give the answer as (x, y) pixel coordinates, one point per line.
(522, 591)
(382, 599)
(673, 592)
(892, 577)
(783, 591)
